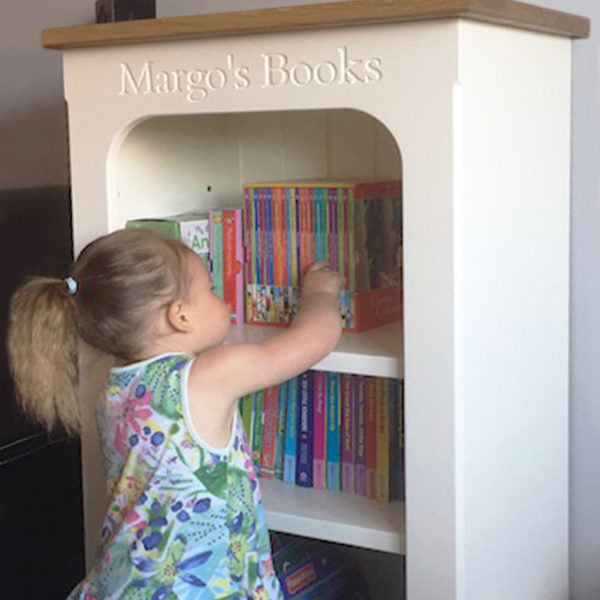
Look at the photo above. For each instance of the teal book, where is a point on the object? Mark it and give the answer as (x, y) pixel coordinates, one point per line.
(216, 251)
(333, 432)
(291, 433)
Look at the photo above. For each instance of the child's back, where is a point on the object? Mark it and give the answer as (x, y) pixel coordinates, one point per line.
(182, 514)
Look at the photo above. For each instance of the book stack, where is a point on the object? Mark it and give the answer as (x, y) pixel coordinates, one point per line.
(192, 228)
(354, 226)
(216, 237)
(227, 259)
(331, 431)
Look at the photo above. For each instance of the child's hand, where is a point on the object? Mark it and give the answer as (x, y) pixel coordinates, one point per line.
(321, 278)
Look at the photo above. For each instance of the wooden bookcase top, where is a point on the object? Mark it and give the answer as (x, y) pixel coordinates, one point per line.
(316, 16)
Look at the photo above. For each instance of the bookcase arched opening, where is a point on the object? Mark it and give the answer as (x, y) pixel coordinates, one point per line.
(165, 165)
(175, 163)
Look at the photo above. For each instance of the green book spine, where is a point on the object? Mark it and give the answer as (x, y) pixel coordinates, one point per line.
(216, 251)
(257, 430)
(170, 228)
(246, 409)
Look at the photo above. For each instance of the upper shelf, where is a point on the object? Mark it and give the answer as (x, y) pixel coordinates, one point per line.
(317, 16)
(377, 352)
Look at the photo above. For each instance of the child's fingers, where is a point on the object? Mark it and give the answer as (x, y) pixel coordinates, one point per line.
(319, 266)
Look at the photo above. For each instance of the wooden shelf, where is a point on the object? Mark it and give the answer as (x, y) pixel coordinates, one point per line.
(316, 16)
(334, 516)
(375, 352)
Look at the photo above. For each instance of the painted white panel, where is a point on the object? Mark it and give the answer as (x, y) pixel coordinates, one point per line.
(170, 165)
(306, 139)
(512, 304)
(351, 130)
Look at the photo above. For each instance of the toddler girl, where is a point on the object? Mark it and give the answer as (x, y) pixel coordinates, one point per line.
(185, 518)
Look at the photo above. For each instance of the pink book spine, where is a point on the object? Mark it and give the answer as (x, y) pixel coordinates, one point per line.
(247, 252)
(346, 259)
(310, 242)
(360, 473)
(269, 440)
(320, 430)
(371, 437)
(239, 261)
(347, 434)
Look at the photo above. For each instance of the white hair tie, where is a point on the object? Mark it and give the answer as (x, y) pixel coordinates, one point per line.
(71, 285)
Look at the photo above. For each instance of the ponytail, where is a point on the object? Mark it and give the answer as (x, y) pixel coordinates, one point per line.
(42, 349)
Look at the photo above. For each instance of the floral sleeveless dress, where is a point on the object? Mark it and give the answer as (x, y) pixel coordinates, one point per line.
(185, 520)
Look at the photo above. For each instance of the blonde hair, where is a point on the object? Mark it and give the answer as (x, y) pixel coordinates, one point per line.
(122, 279)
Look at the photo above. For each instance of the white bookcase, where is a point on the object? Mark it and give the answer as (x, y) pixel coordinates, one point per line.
(468, 103)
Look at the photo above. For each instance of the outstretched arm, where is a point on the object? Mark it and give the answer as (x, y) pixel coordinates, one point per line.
(234, 370)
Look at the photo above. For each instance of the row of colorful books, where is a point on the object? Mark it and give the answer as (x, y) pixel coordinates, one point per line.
(354, 226)
(313, 570)
(332, 431)
(257, 255)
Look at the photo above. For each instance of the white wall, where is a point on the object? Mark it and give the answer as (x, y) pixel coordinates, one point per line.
(33, 152)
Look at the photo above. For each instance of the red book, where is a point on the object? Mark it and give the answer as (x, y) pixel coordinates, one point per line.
(233, 280)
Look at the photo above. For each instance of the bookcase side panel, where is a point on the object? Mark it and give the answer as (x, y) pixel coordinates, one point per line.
(512, 315)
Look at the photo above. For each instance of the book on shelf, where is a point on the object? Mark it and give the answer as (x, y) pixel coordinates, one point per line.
(334, 453)
(216, 236)
(227, 259)
(192, 228)
(291, 434)
(360, 473)
(355, 226)
(281, 425)
(371, 438)
(337, 432)
(320, 430)
(348, 400)
(304, 459)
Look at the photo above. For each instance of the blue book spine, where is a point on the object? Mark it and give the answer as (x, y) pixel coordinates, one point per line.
(333, 432)
(323, 208)
(281, 419)
(304, 458)
(257, 233)
(291, 431)
(269, 235)
(317, 223)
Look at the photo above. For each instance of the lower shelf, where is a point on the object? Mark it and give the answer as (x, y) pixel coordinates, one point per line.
(334, 516)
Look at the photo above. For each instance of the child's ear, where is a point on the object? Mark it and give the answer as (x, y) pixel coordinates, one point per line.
(178, 317)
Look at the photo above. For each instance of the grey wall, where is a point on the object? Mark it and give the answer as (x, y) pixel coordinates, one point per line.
(33, 152)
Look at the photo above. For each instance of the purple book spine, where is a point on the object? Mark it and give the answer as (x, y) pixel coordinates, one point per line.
(347, 434)
(332, 241)
(360, 481)
(304, 461)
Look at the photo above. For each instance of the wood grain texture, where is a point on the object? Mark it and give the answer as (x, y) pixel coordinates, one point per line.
(317, 16)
